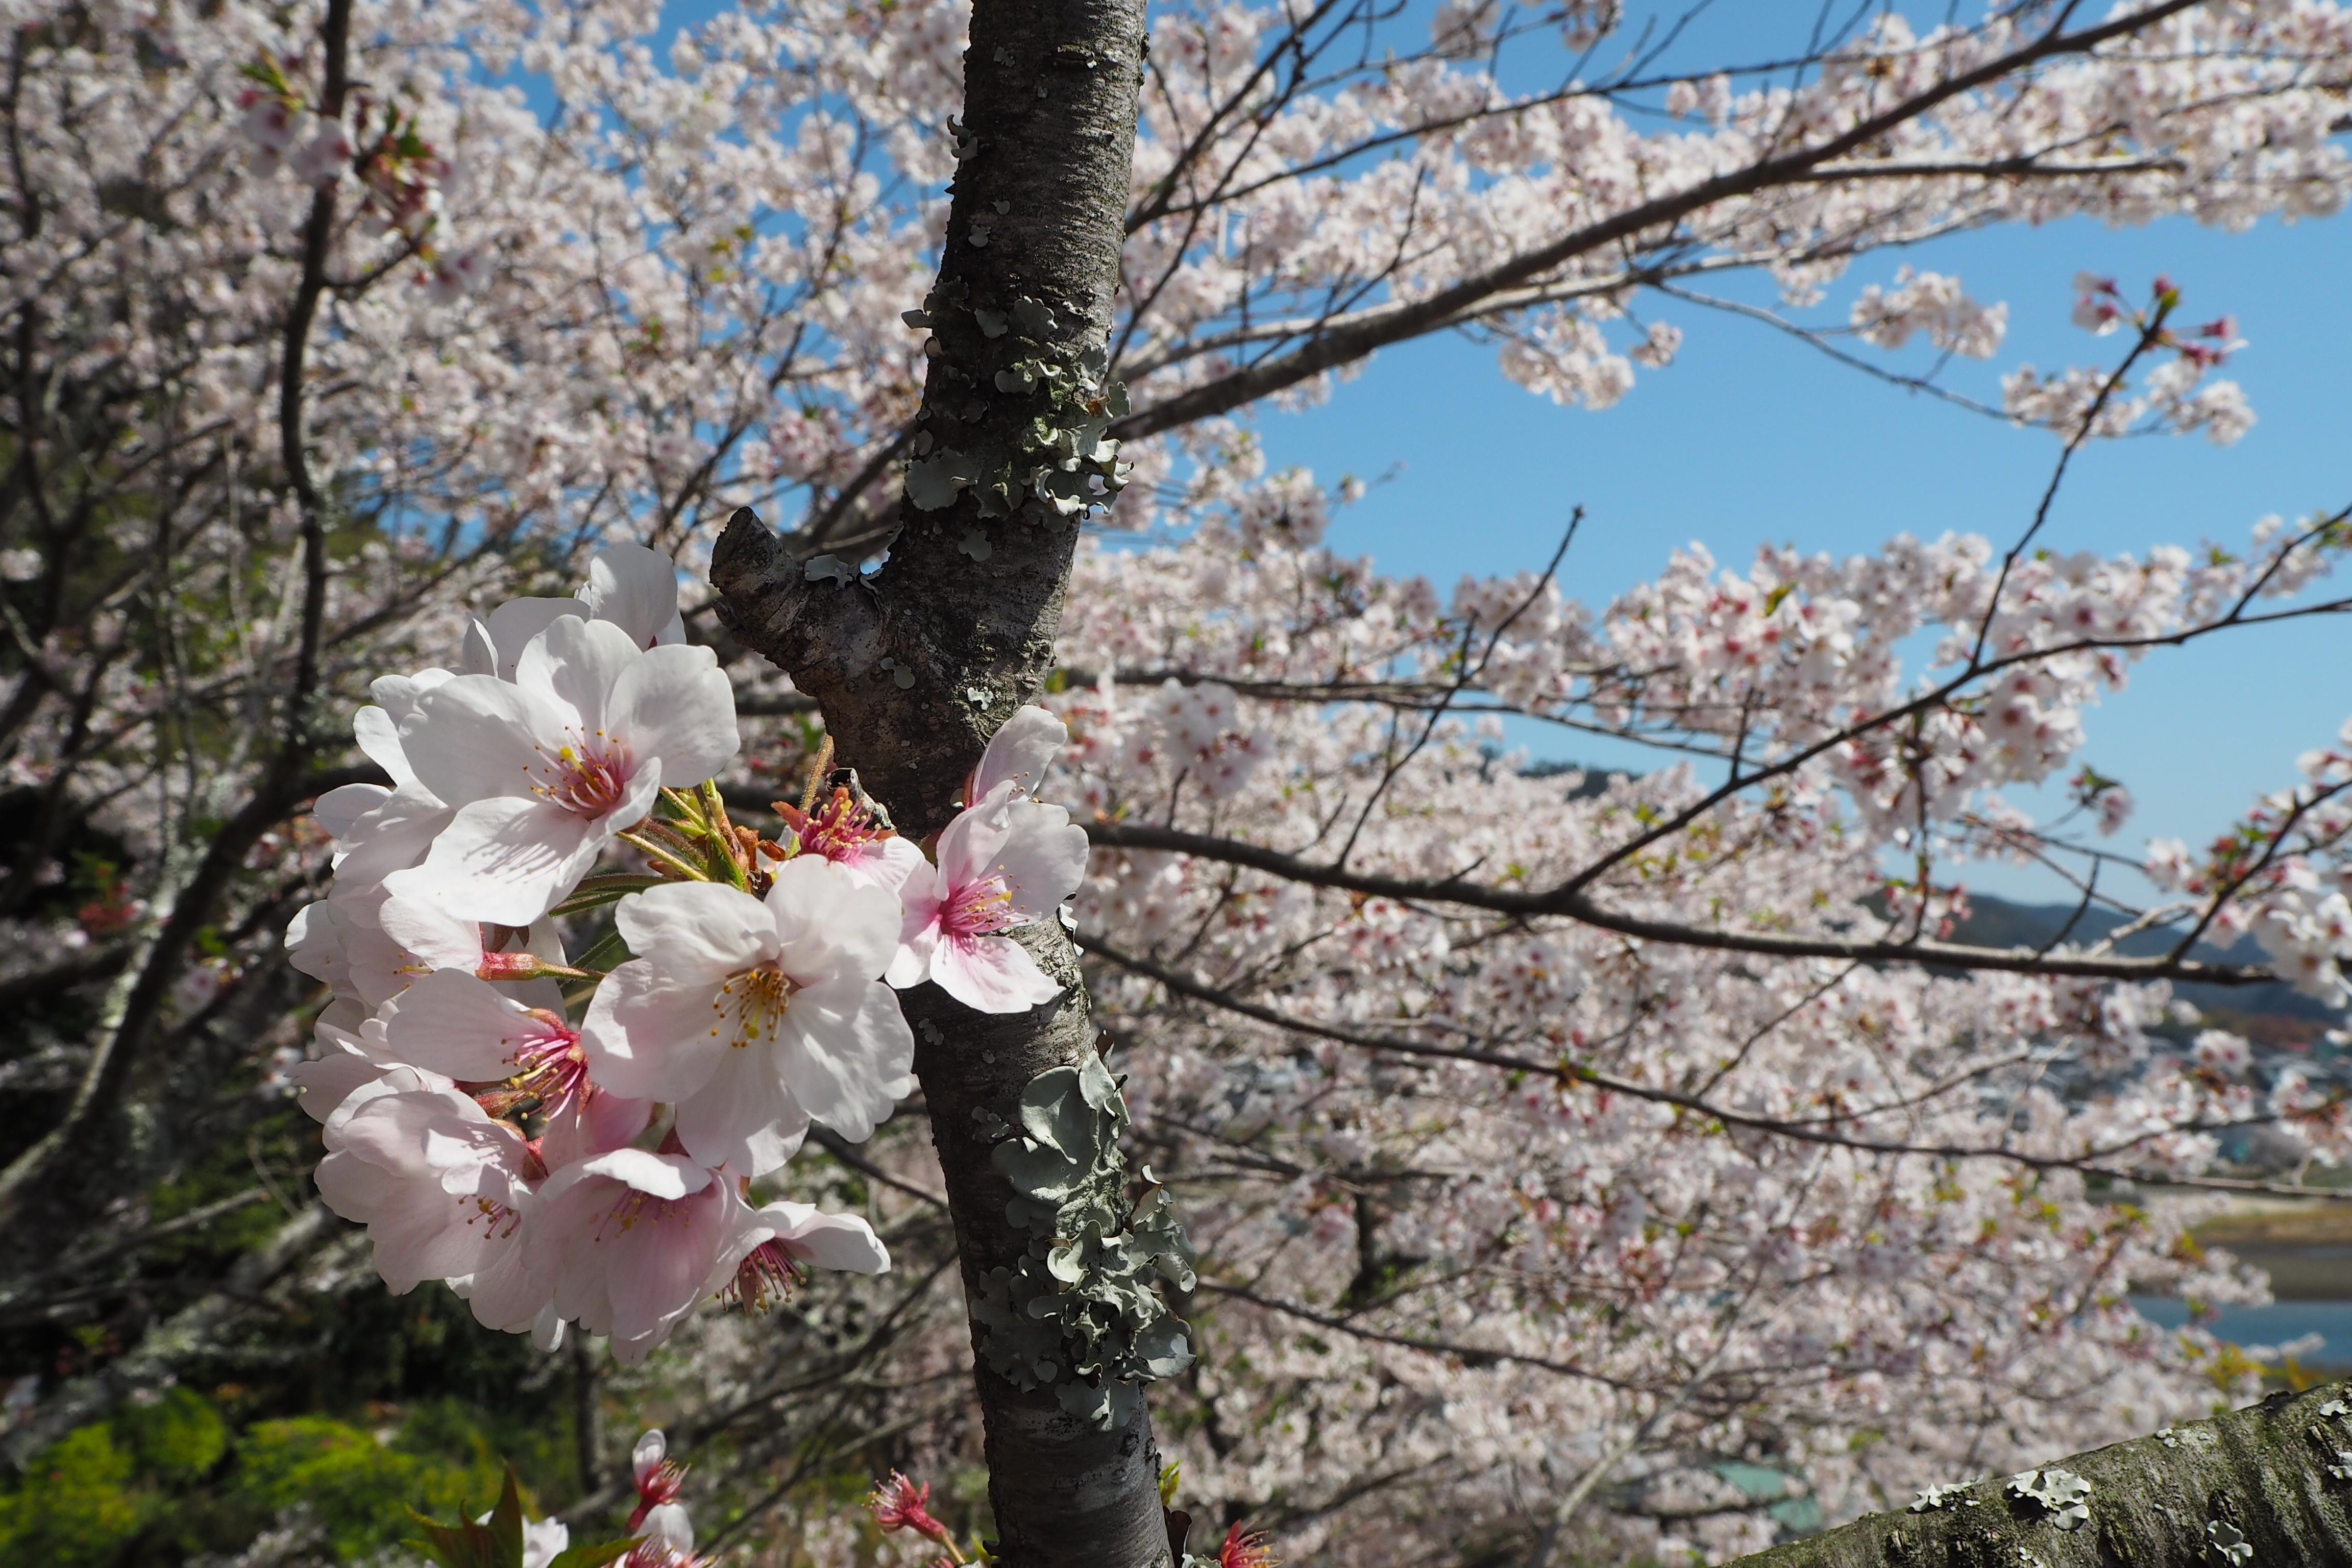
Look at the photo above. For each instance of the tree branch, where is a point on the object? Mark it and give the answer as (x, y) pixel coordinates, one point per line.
(1580, 906)
(2268, 1476)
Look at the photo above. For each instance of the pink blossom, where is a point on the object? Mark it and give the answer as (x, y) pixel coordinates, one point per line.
(545, 771)
(440, 1186)
(754, 1016)
(900, 1504)
(1003, 863)
(629, 1242)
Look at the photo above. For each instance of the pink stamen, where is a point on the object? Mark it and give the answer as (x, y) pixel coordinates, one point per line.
(659, 1486)
(590, 780)
(982, 909)
(766, 1277)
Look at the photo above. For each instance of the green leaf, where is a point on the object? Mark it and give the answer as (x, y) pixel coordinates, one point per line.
(506, 1523)
(467, 1545)
(605, 952)
(495, 1542)
(595, 1556)
(595, 892)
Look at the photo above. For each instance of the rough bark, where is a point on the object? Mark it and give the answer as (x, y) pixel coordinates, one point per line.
(969, 604)
(2257, 1488)
(916, 665)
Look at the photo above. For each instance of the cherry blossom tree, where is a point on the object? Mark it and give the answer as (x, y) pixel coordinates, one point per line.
(1456, 1159)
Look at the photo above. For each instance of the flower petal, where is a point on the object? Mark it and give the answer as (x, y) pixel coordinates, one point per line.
(378, 738)
(507, 860)
(847, 1052)
(636, 589)
(650, 1035)
(339, 809)
(512, 625)
(697, 930)
(1021, 753)
(990, 974)
(826, 1240)
(742, 1118)
(572, 665)
(676, 703)
(1043, 858)
(829, 921)
(476, 738)
(919, 932)
(459, 1025)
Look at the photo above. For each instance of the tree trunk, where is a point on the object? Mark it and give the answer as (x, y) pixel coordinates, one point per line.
(2266, 1487)
(917, 665)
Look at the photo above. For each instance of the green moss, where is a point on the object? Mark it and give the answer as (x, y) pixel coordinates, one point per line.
(178, 1439)
(164, 1482)
(359, 1489)
(77, 1505)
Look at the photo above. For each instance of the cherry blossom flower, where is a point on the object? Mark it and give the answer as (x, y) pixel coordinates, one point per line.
(794, 1237)
(629, 1242)
(2220, 1051)
(1005, 861)
(1001, 864)
(543, 771)
(461, 1026)
(657, 1475)
(900, 1504)
(842, 829)
(441, 1188)
(755, 1015)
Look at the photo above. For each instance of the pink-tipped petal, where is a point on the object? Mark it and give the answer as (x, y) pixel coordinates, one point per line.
(990, 974)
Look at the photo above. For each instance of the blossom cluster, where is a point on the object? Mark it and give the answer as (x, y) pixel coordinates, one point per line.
(1516, 1253)
(2283, 876)
(560, 1165)
(2079, 404)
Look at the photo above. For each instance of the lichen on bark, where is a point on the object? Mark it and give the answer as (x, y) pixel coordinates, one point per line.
(1079, 1312)
(2266, 1487)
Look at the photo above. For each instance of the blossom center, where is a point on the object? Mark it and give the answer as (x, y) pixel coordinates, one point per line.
(751, 1006)
(497, 1220)
(980, 909)
(765, 1277)
(633, 1207)
(838, 828)
(589, 778)
(550, 1073)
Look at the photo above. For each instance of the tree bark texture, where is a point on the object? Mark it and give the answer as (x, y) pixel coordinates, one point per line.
(2266, 1487)
(917, 665)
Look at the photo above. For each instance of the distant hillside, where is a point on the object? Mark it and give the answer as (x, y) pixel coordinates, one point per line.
(2270, 1014)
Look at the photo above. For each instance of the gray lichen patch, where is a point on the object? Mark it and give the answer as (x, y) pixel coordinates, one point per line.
(1033, 441)
(1081, 1313)
(2060, 1493)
